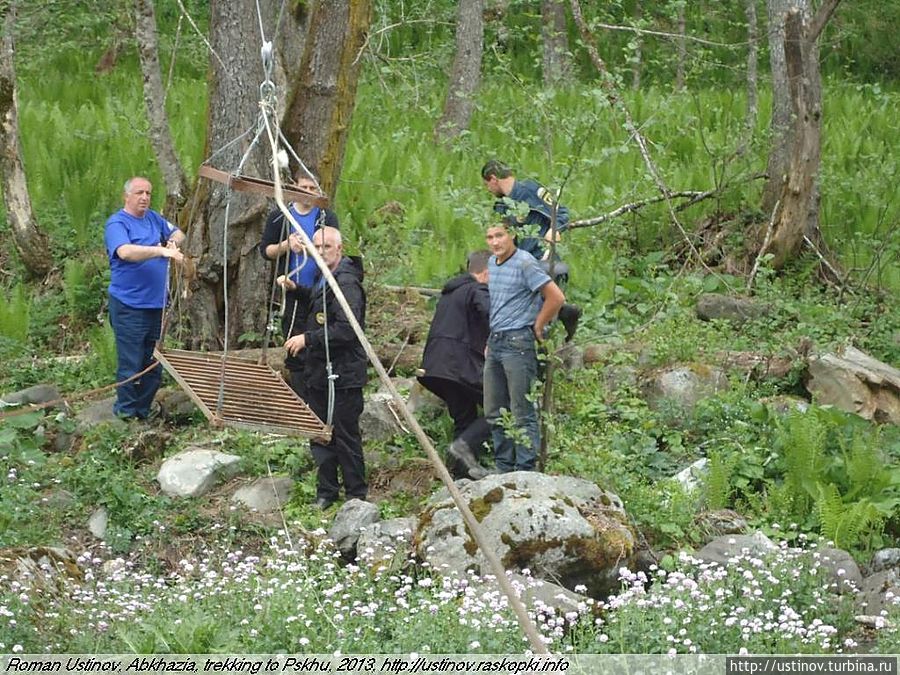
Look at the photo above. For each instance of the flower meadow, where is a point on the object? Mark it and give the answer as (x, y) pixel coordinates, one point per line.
(301, 597)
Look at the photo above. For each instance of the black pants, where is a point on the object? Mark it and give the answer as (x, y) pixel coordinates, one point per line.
(345, 448)
(462, 404)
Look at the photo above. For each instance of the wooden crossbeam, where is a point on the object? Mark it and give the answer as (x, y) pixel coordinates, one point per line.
(255, 396)
(261, 187)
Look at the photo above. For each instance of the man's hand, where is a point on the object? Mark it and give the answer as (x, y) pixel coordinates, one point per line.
(296, 344)
(295, 243)
(172, 252)
(288, 284)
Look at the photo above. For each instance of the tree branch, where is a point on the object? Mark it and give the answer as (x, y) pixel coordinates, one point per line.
(817, 25)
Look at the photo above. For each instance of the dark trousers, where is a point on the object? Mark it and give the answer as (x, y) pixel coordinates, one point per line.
(345, 449)
(136, 331)
(462, 404)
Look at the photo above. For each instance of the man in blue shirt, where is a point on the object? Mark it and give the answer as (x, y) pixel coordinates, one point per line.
(296, 271)
(501, 182)
(139, 243)
(523, 301)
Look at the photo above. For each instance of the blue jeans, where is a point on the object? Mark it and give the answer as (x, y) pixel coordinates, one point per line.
(137, 331)
(510, 370)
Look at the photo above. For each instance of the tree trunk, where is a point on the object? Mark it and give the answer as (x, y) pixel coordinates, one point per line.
(780, 124)
(465, 74)
(322, 98)
(799, 199)
(681, 62)
(155, 101)
(637, 58)
(233, 109)
(752, 79)
(557, 63)
(29, 240)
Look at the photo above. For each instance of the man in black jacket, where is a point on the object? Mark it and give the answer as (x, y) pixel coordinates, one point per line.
(454, 362)
(282, 244)
(328, 327)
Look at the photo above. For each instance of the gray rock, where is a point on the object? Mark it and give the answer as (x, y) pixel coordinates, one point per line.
(722, 549)
(719, 523)
(737, 310)
(879, 592)
(98, 412)
(349, 521)
(561, 528)
(782, 404)
(265, 495)
(570, 357)
(855, 382)
(538, 595)
(841, 568)
(42, 567)
(683, 385)
(379, 421)
(194, 472)
(386, 544)
(39, 393)
(690, 476)
(885, 559)
(176, 405)
(98, 522)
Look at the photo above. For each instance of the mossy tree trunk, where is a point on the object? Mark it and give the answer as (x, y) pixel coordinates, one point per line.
(465, 73)
(323, 89)
(797, 213)
(155, 102)
(557, 60)
(228, 269)
(30, 241)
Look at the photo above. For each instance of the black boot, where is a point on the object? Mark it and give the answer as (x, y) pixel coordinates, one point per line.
(463, 461)
(569, 316)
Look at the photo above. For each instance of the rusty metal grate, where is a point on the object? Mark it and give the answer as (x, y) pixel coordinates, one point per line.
(255, 396)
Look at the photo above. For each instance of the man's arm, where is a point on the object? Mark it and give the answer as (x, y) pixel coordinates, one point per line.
(553, 300)
(139, 253)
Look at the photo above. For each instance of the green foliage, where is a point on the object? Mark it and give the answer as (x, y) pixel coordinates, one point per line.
(14, 313)
(717, 484)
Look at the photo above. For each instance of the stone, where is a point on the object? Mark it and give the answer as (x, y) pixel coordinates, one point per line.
(40, 566)
(879, 592)
(884, 559)
(561, 528)
(98, 412)
(386, 544)
(570, 357)
(690, 476)
(421, 401)
(720, 522)
(683, 385)
(855, 382)
(737, 310)
(195, 472)
(783, 404)
(36, 395)
(176, 405)
(349, 522)
(98, 522)
(841, 569)
(265, 495)
(379, 420)
(722, 549)
(539, 596)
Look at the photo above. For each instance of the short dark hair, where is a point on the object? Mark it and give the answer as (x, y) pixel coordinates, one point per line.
(494, 167)
(308, 171)
(477, 261)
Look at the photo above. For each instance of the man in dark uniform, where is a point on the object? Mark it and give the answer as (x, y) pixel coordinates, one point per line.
(327, 328)
(501, 182)
(454, 362)
(282, 244)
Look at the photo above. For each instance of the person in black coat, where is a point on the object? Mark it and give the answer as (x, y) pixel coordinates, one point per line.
(282, 244)
(327, 327)
(453, 362)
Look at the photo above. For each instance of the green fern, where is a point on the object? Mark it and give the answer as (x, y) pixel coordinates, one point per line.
(843, 523)
(804, 459)
(717, 483)
(15, 311)
(103, 346)
(865, 467)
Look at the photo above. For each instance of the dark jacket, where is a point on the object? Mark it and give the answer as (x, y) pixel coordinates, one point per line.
(540, 202)
(348, 358)
(459, 331)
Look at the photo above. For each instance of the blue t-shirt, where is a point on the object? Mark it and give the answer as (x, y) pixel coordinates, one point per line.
(515, 286)
(540, 203)
(141, 285)
(306, 275)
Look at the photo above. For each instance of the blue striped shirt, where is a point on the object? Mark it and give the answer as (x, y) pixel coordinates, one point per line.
(515, 287)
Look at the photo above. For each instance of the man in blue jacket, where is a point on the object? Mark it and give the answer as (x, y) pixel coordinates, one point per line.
(453, 362)
(501, 182)
(140, 243)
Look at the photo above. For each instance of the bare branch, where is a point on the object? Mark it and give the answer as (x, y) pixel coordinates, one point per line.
(817, 25)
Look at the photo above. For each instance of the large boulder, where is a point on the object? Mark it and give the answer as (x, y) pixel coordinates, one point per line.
(265, 495)
(683, 385)
(563, 529)
(386, 544)
(853, 381)
(737, 310)
(349, 522)
(195, 472)
(380, 420)
(879, 592)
